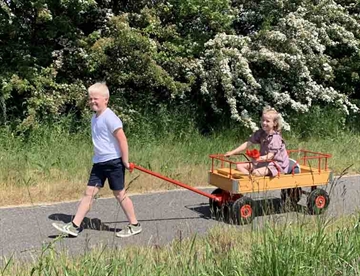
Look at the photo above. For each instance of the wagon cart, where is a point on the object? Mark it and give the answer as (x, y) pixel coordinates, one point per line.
(229, 199)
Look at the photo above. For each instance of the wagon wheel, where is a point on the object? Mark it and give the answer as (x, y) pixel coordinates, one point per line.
(215, 206)
(227, 212)
(243, 209)
(317, 201)
(292, 196)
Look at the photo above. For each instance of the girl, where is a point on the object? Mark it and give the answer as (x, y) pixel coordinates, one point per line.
(273, 155)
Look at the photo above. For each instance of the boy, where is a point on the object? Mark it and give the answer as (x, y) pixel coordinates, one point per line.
(110, 160)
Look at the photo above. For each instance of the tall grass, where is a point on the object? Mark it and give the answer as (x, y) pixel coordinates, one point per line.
(53, 162)
(311, 247)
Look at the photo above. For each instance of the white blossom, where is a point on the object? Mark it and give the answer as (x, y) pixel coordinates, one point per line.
(292, 69)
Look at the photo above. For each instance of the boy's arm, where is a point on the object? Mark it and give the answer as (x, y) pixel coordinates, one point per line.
(239, 149)
(123, 144)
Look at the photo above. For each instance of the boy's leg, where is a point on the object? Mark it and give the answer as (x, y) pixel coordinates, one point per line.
(73, 228)
(127, 205)
(96, 181)
(116, 177)
(85, 204)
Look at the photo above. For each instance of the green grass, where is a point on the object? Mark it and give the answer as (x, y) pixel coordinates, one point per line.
(314, 246)
(51, 158)
(48, 159)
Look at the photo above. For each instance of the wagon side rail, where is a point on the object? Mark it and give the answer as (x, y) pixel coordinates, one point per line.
(224, 160)
(307, 155)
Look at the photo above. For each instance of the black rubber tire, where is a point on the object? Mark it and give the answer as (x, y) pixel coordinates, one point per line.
(215, 207)
(318, 201)
(227, 213)
(243, 210)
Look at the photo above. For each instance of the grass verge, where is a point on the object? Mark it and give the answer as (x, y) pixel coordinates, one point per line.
(316, 246)
(54, 165)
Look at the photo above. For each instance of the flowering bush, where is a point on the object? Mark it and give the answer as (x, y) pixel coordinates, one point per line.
(290, 64)
(220, 58)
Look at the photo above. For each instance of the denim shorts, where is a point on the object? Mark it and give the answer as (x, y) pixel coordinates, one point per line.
(112, 170)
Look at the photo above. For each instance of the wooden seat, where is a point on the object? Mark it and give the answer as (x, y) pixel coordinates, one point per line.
(234, 173)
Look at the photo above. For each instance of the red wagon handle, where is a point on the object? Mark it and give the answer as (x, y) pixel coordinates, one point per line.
(132, 166)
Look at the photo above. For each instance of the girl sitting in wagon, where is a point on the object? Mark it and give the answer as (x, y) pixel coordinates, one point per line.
(273, 157)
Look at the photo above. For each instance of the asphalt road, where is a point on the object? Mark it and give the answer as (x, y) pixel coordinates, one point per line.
(164, 216)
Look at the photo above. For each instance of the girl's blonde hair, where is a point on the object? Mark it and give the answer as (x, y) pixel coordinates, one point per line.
(101, 88)
(278, 119)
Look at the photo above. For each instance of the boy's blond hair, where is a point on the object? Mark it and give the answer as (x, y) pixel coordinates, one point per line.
(101, 88)
(278, 120)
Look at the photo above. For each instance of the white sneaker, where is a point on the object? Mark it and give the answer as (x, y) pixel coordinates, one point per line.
(67, 228)
(129, 231)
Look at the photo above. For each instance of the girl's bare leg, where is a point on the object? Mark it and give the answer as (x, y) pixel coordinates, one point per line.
(261, 171)
(245, 168)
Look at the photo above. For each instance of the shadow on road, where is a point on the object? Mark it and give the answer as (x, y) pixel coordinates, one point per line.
(271, 206)
(263, 207)
(154, 219)
(97, 224)
(94, 223)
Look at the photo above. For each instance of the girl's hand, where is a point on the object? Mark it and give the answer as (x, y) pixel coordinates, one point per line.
(255, 161)
(253, 154)
(228, 154)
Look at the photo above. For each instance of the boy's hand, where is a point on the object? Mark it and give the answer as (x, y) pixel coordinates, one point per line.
(126, 165)
(228, 154)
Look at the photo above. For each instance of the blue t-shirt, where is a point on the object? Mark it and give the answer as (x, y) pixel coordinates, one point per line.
(106, 147)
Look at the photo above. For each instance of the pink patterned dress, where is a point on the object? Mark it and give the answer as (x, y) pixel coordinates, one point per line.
(275, 144)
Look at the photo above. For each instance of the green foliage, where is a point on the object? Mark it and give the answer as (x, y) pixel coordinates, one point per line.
(128, 55)
(294, 251)
(35, 31)
(306, 248)
(318, 123)
(162, 53)
(168, 143)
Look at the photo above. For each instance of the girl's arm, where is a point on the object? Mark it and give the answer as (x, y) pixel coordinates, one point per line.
(239, 149)
(267, 157)
(275, 145)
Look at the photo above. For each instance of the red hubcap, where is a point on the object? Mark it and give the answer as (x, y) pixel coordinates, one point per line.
(320, 202)
(246, 211)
